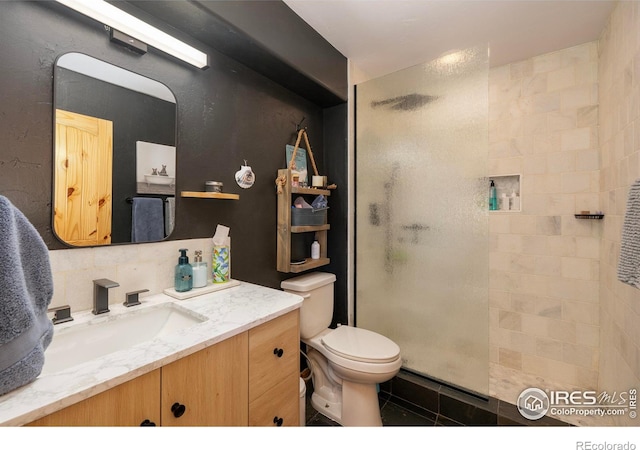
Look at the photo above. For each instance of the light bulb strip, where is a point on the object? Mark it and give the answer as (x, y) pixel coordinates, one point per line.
(138, 29)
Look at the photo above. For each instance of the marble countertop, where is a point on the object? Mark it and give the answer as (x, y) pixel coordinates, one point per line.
(229, 312)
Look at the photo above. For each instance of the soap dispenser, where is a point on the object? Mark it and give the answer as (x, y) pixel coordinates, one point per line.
(199, 271)
(183, 273)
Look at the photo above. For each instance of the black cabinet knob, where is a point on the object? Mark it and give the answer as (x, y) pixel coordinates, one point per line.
(278, 421)
(147, 423)
(177, 409)
(278, 352)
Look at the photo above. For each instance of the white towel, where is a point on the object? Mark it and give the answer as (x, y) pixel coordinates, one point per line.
(629, 263)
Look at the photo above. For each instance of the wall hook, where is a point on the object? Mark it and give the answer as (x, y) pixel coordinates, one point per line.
(298, 125)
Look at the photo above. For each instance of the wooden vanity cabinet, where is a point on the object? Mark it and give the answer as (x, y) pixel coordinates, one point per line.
(128, 404)
(207, 388)
(274, 367)
(248, 379)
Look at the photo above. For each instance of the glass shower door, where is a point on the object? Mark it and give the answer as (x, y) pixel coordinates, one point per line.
(422, 215)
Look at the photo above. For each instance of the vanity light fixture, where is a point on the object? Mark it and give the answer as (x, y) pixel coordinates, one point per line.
(138, 29)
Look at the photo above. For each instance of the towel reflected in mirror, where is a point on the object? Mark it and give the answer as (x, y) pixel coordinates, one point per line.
(147, 219)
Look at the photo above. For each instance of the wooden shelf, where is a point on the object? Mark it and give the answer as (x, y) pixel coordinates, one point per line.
(218, 195)
(308, 265)
(309, 228)
(285, 229)
(310, 191)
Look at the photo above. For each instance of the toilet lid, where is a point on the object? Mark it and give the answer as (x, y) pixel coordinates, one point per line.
(359, 344)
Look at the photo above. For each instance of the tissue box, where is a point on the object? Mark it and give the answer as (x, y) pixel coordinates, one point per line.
(308, 216)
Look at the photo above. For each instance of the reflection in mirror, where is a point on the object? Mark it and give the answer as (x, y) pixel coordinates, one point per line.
(114, 154)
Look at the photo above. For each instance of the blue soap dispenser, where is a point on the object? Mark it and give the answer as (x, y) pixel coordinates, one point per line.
(183, 273)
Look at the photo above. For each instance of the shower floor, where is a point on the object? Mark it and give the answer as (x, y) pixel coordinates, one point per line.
(507, 384)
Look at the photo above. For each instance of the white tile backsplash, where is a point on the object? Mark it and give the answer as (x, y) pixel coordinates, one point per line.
(134, 266)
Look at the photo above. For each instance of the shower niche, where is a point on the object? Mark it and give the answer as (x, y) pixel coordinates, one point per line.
(508, 192)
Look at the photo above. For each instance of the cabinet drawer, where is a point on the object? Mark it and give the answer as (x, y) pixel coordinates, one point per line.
(279, 405)
(274, 353)
(129, 404)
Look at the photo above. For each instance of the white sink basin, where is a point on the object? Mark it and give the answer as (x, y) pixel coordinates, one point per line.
(106, 334)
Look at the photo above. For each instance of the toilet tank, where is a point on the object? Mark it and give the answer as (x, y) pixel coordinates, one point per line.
(316, 311)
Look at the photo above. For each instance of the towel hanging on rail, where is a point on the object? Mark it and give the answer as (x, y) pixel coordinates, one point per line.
(147, 219)
(169, 215)
(629, 262)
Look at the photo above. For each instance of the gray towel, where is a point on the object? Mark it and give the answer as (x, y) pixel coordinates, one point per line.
(26, 289)
(147, 219)
(169, 215)
(629, 262)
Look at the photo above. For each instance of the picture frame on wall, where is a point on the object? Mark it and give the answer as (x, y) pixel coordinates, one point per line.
(155, 168)
(300, 163)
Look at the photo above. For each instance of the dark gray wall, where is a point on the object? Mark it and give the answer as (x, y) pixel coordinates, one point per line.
(265, 35)
(226, 114)
(336, 159)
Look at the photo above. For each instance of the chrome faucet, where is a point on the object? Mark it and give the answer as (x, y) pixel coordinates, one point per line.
(101, 295)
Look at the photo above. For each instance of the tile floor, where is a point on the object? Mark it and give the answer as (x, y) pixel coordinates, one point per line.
(392, 415)
(507, 384)
(415, 400)
(410, 400)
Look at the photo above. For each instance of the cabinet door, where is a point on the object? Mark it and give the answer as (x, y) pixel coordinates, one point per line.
(129, 404)
(279, 406)
(207, 388)
(274, 367)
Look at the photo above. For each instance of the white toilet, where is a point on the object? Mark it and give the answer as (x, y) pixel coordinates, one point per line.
(347, 363)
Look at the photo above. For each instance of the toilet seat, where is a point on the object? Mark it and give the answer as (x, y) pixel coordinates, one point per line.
(347, 361)
(358, 344)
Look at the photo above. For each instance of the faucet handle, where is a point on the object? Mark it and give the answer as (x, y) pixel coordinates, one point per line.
(131, 298)
(61, 314)
(105, 283)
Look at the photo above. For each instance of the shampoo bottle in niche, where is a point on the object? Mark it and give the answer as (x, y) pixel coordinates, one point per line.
(515, 201)
(493, 197)
(183, 273)
(199, 271)
(504, 202)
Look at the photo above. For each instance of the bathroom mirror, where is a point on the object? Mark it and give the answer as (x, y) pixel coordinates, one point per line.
(114, 154)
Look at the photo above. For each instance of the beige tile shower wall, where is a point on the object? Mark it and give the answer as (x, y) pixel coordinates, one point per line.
(134, 267)
(544, 263)
(619, 114)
